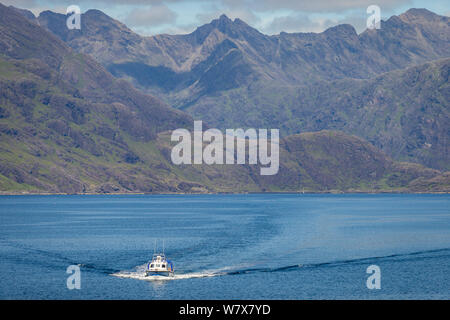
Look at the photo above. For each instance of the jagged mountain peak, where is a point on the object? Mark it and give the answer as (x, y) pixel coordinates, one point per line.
(224, 17)
(232, 28)
(341, 30)
(424, 18)
(98, 13)
(418, 13)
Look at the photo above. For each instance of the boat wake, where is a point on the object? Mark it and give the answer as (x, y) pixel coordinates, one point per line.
(139, 272)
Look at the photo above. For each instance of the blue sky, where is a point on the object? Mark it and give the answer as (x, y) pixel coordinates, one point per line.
(149, 17)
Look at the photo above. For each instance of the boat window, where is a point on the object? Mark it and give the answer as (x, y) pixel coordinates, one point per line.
(151, 266)
(163, 266)
(157, 265)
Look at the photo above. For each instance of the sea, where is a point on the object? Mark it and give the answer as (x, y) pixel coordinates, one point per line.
(226, 246)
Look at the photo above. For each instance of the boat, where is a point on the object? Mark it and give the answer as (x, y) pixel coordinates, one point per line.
(159, 266)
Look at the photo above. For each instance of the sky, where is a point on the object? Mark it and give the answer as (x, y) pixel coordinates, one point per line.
(150, 17)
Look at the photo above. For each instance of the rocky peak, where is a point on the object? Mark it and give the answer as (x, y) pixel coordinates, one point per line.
(233, 29)
(341, 31)
(418, 15)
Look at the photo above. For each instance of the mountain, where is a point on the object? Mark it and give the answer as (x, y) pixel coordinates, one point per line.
(403, 112)
(414, 37)
(27, 14)
(231, 75)
(64, 120)
(68, 126)
(325, 161)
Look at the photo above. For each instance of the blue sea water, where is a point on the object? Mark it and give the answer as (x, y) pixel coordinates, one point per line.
(259, 246)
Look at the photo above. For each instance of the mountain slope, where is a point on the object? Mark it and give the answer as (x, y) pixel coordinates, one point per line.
(230, 75)
(404, 112)
(65, 122)
(68, 126)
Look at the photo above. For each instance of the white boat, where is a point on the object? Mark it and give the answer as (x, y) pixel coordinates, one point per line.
(160, 265)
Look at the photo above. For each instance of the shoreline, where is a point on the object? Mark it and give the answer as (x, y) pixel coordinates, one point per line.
(331, 192)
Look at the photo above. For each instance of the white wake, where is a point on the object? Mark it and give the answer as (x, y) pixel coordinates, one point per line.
(139, 274)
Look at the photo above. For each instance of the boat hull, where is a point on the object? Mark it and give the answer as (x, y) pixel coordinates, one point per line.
(159, 273)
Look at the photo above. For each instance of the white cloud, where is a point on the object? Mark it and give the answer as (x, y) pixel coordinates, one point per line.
(244, 14)
(318, 6)
(152, 16)
(23, 4)
(294, 23)
(181, 29)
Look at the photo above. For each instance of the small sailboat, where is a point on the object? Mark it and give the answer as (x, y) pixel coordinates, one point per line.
(160, 265)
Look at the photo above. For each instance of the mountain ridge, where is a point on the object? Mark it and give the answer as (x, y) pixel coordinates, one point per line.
(68, 126)
(218, 72)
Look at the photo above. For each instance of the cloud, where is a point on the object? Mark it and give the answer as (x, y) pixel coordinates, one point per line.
(291, 23)
(126, 2)
(152, 16)
(180, 29)
(35, 6)
(23, 4)
(207, 17)
(244, 14)
(300, 22)
(318, 6)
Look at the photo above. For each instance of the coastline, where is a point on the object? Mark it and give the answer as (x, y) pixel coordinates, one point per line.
(337, 192)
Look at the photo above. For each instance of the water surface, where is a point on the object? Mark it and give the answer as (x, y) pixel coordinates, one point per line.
(261, 246)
